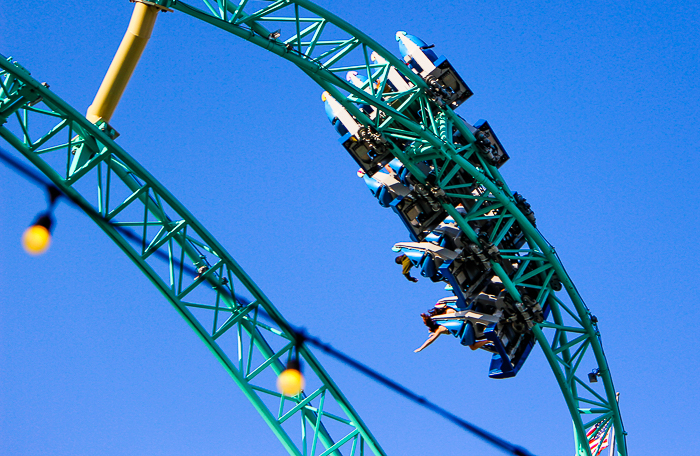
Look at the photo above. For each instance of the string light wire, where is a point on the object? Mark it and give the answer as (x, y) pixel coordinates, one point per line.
(299, 333)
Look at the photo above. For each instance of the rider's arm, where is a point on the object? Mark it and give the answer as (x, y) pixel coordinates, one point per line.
(431, 339)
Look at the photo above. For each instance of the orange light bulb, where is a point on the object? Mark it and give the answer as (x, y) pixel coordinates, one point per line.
(290, 382)
(36, 240)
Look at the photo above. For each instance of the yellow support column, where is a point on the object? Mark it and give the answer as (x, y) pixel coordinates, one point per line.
(140, 27)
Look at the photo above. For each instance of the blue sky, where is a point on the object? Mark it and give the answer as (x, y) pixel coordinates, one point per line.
(596, 104)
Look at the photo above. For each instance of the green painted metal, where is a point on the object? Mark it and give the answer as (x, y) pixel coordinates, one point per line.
(323, 46)
(79, 157)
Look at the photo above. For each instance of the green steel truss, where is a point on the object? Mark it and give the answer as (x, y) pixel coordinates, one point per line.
(120, 195)
(324, 47)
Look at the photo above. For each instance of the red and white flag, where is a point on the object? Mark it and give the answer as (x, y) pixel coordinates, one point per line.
(598, 438)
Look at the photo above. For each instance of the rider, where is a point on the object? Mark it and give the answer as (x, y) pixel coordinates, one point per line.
(437, 330)
(404, 261)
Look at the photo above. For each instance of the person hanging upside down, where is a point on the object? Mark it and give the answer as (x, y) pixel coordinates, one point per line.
(405, 262)
(438, 330)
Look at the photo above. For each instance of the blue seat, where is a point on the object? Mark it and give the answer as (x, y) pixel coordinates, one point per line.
(468, 335)
(501, 366)
(427, 266)
(384, 196)
(454, 326)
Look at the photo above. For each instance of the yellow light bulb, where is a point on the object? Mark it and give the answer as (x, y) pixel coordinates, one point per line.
(36, 240)
(290, 382)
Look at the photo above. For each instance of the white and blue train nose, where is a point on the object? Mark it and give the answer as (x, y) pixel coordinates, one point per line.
(360, 81)
(396, 82)
(340, 118)
(416, 53)
(356, 79)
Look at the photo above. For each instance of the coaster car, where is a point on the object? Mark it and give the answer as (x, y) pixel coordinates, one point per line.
(361, 82)
(419, 212)
(366, 146)
(445, 83)
(395, 81)
(506, 325)
(384, 186)
(426, 256)
(487, 140)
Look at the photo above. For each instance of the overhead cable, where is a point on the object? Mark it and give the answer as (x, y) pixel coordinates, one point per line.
(299, 333)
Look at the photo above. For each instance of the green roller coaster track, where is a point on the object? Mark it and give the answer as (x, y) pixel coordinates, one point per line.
(77, 155)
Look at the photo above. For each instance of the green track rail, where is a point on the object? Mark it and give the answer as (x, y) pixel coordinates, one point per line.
(54, 136)
(324, 47)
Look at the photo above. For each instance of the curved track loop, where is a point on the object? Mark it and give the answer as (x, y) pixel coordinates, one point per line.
(323, 46)
(53, 136)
